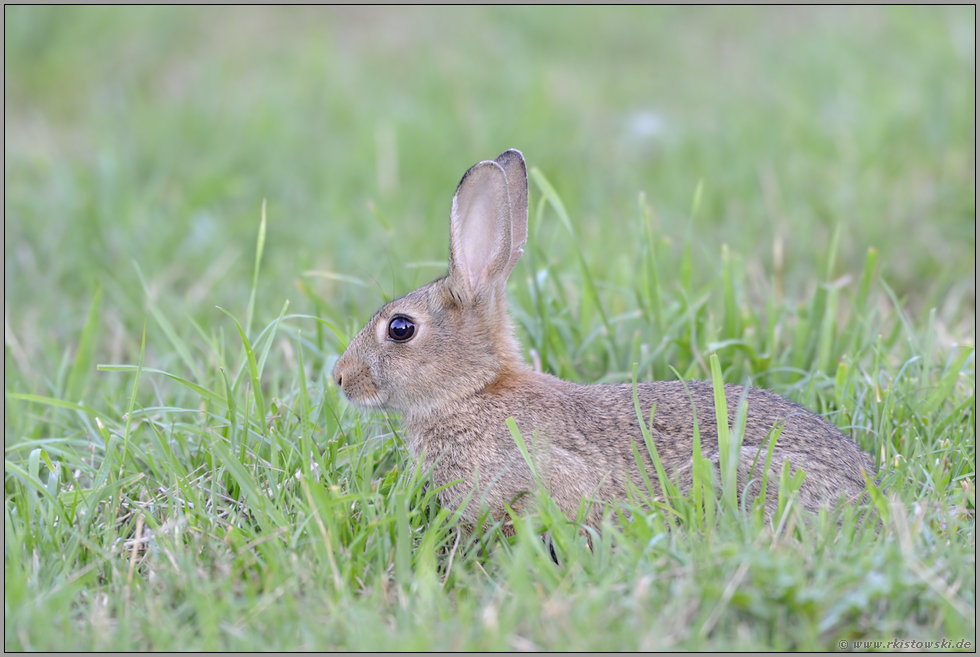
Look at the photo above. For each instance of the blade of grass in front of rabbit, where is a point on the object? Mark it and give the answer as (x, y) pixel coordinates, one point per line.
(703, 490)
(697, 465)
(726, 456)
(522, 447)
(760, 503)
(652, 495)
(666, 485)
(737, 436)
(789, 486)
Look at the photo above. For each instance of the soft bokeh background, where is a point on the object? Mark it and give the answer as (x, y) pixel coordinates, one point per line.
(153, 135)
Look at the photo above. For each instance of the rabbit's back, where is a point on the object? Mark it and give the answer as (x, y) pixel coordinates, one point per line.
(581, 440)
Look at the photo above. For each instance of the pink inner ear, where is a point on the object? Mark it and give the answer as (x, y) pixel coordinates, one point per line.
(479, 239)
(481, 225)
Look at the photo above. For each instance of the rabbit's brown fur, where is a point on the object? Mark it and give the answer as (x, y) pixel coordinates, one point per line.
(460, 375)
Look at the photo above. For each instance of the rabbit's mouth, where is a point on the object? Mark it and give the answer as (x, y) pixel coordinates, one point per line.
(368, 400)
(373, 403)
(355, 380)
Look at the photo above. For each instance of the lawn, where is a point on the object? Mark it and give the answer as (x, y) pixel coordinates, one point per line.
(202, 206)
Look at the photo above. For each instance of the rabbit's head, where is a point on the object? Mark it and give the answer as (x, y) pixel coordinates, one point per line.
(453, 337)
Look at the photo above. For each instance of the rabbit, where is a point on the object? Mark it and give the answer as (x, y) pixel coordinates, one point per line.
(446, 357)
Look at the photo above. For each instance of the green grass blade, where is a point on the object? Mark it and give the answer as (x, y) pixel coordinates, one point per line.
(827, 330)
(232, 412)
(272, 337)
(937, 398)
(175, 340)
(832, 252)
(268, 516)
(731, 329)
(201, 390)
(760, 502)
(50, 401)
(859, 316)
(403, 539)
(652, 278)
(696, 199)
(306, 427)
(515, 434)
(702, 492)
(86, 347)
(259, 247)
(548, 193)
(29, 479)
(253, 370)
(132, 401)
(591, 295)
(727, 458)
(666, 485)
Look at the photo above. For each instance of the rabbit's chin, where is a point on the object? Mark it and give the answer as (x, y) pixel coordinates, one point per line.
(409, 407)
(371, 402)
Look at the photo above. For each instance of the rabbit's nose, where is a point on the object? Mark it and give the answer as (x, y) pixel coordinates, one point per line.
(338, 372)
(346, 371)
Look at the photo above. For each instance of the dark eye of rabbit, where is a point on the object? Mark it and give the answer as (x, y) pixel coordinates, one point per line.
(401, 329)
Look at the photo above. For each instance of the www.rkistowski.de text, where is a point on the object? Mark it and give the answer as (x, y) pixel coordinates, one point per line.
(906, 644)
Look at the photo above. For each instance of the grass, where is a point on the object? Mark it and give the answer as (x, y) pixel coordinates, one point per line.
(785, 198)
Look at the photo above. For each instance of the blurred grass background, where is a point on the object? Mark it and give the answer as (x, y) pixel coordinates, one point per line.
(143, 142)
(153, 134)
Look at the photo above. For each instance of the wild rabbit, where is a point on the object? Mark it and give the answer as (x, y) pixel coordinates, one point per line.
(445, 357)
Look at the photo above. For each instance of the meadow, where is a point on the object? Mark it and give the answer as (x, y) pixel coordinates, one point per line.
(202, 207)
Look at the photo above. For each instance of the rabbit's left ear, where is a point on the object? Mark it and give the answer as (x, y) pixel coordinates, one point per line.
(484, 244)
(512, 162)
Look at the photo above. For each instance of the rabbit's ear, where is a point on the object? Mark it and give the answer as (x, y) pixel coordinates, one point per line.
(513, 163)
(480, 240)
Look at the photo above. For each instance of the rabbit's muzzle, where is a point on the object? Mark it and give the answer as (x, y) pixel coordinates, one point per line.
(354, 378)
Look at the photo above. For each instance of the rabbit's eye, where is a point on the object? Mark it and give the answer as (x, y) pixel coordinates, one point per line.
(401, 329)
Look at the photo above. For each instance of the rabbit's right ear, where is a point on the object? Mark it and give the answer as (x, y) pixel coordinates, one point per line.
(481, 238)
